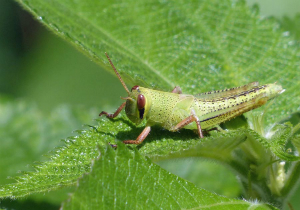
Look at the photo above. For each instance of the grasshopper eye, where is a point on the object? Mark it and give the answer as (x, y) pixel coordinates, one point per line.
(136, 87)
(141, 101)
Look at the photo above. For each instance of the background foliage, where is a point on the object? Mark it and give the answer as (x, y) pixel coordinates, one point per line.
(60, 124)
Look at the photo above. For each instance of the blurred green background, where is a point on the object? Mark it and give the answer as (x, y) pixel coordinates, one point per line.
(39, 67)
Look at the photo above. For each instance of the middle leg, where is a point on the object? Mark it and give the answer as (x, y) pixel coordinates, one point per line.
(188, 120)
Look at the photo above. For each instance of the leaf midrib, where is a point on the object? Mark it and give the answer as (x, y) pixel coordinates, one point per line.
(120, 45)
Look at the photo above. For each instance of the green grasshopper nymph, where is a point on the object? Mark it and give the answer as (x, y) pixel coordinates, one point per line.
(174, 110)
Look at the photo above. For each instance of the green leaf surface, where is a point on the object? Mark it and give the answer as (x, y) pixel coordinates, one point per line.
(137, 183)
(199, 45)
(205, 174)
(68, 163)
(27, 134)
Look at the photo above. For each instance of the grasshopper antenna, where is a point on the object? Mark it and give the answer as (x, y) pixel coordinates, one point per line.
(117, 73)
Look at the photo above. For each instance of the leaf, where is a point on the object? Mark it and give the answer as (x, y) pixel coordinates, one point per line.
(27, 204)
(205, 174)
(26, 134)
(65, 166)
(219, 146)
(275, 137)
(123, 179)
(291, 25)
(68, 163)
(199, 45)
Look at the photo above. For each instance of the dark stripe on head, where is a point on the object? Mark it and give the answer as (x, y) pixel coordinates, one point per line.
(141, 111)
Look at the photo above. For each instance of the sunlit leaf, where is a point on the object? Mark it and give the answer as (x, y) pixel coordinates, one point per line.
(137, 183)
(199, 45)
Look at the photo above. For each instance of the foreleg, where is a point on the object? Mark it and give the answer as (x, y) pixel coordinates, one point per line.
(117, 112)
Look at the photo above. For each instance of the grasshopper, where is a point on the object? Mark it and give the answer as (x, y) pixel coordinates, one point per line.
(174, 110)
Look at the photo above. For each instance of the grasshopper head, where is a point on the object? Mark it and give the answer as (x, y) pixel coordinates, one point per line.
(136, 109)
(136, 105)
